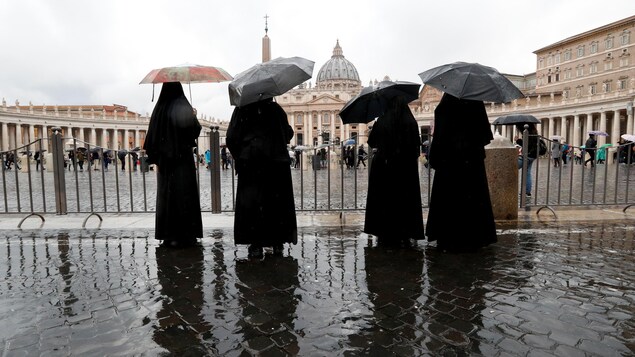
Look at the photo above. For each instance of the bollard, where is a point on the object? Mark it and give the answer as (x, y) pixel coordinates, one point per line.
(215, 172)
(59, 180)
(501, 165)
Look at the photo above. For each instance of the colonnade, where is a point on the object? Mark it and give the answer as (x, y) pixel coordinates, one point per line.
(573, 128)
(15, 135)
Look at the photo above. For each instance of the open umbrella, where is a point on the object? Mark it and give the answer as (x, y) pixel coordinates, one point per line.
(628, 137)
(349, 142)
(514, 119)
(598, 133)
(269, 79)
(471, 81)
(301, 147)
(186, 73)
(371, 102)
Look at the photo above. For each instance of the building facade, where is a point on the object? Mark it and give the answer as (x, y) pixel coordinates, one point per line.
(313, 111)
(581, 83)
(108, 126)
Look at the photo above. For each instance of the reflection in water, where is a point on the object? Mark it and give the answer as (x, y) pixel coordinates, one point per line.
(458, 285)
(393, 277)
(180, 273)
(267, 297)
(66, 269)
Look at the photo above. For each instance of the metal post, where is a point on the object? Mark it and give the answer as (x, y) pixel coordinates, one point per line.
(59, 180)
(215, 156)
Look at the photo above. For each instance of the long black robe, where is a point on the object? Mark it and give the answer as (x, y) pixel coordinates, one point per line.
(170, 139)
(393, 203)
(460, 217)
(257, 137)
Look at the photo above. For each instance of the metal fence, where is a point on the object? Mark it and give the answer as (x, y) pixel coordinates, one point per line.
(58, 184)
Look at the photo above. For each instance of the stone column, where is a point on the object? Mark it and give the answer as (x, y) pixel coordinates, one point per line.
(563, 127)
(615, 132)
(104, 138)
(81, 136)
(113, 139)
(629, 121)
(93, 137)
(31, 133)
(18, 135)
(602, 139)
(126, 140)
(589, 126)
(136, 139)
(319, 126)
(576, 131)
(5, 137)
(552, 123)
(308, 140)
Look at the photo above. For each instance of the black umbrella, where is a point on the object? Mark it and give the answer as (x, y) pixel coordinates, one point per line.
(514, 119)
(471, 81)
(269, 79)
(81, 148)
(121, 154)
(371, 102)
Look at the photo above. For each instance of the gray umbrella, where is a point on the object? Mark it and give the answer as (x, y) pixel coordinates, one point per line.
(472, 81)
(269, 79)
(371, 102)
(514, 119)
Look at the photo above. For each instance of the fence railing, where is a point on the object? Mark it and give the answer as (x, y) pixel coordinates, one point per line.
(96, 180)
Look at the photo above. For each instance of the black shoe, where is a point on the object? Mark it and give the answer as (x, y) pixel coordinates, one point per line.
(528, 194)
(278, 250)
(255, 252)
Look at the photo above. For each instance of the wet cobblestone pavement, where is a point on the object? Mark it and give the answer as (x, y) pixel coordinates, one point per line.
(564, 289)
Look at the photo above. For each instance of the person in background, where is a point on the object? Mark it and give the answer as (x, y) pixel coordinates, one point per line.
(257, 137)
(393, 204)
(361, 155)
(532, 152)
(170, 139)
(457, 154)
(590, 146)
(556, 155)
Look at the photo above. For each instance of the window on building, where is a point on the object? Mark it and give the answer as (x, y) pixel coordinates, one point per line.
(608, 65)
(593, 67)
(579, 71)
(594, 47)
(337, 96)
(326, 119)
(557, 77)
(557, 58)
(608, 43)
(580, 51)
(549, 60)
(607, 86)
(624, 61)
(549, 79)
(625, 38)
(315, 118)
(541, 63)
(592, 89)
(567, 55)
(299, 120)
(621, 84)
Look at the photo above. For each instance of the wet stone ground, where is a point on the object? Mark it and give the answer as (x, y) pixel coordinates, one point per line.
(548, 289)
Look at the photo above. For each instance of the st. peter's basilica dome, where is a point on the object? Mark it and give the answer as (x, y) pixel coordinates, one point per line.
(337, 68)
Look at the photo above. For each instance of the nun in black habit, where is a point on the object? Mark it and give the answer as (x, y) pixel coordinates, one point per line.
(169, 142)
(393, 203)
(460, 216)
(257, 137)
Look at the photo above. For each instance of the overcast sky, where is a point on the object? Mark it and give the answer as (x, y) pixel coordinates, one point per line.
(85, 52)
